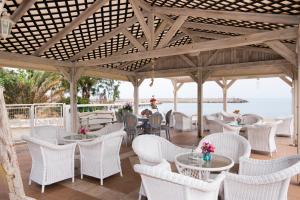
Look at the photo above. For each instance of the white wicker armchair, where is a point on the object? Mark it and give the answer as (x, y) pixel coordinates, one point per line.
(262, 179)
(46, 133)
(228, 144)
(108, 129)
(217, 126)
(228, 117)
(50, 163)
(182, 122)
(100, 158)
(262, 137)
(152, 149)
(162, 184)
(250, 119)
(286, 127)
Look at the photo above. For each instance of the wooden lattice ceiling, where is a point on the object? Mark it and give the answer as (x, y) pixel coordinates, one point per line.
(47, 18)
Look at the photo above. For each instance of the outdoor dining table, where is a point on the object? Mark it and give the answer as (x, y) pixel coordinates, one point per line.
(79, 138)
(192, 164)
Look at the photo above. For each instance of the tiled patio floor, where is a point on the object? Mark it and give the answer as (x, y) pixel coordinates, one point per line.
(116, 187)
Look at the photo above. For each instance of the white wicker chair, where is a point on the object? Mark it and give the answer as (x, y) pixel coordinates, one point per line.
(262, 179)
(228, 144)
(46, 133)
(108, 129)
(286, 127)
(217, 126)
(182, 122)
(251, 119)
(50, 163)
(162, 184)
(100, 158)
(152, 149)
(262, 137)
(228, 117)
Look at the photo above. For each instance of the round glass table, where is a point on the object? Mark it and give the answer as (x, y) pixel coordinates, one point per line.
(191, 164)
(79, 138)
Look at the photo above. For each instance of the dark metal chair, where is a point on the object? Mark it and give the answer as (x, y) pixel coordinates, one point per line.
(154, 124)
(131, 125)
(166, 127)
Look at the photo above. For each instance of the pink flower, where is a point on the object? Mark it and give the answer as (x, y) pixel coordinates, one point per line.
(207, 148)
(83, 130)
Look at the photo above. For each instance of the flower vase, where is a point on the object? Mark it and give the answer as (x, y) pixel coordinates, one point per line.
(206, 156)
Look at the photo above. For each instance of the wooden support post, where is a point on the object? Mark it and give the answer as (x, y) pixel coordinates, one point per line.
(224, 95)
(295, 108)
(225, 85)
(176, 87)
(75, 74)
(136, 82)
(200, 103)
(298, 88)
(8, 157)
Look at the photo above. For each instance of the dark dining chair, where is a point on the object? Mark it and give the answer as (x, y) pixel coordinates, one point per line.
(166, 127)
(131, 126)
(154, 124)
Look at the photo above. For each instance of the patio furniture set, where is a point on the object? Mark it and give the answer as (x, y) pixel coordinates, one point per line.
(53, 153)
(256, 179)
(260, 133)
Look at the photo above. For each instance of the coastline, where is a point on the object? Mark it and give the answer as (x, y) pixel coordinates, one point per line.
(188, 100)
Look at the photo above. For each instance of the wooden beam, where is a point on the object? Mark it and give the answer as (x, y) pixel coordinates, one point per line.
(151, 43)
(139, 15)
(230, 15)
(21, 10)
(188, 60)
(188, 70)
(231, 82)
(220, 83)
(221, 28)
(73, 24)
(103, 39)
(17, 60)
(172, 31)
(231, 42)
(286, 80)
(133, 40)
(284, 51)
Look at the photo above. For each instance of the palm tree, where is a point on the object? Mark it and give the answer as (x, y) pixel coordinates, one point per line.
(22, 87)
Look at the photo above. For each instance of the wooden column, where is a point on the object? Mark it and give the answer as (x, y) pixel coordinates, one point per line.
(136, 82)
(74, 75)
(298, 89)
(225, 95)
(225, 85)
(8, 157)
(295, 108)
(200, 103)
(176, 87)
(200, 78)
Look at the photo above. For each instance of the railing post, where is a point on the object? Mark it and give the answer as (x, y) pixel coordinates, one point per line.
(32, 116)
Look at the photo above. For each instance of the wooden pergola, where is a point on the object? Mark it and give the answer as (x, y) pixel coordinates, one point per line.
(132, 40)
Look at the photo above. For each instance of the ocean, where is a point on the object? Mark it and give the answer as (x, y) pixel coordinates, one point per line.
(270, 108)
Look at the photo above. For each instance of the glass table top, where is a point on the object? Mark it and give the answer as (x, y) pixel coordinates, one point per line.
(80, 137)
(195, 160)
(236, 124)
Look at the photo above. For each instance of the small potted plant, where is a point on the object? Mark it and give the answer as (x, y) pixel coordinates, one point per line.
(207, 149)
(153, 103)
(83, 130)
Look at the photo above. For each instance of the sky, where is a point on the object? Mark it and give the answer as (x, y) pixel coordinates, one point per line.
(247, 88)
